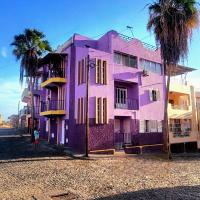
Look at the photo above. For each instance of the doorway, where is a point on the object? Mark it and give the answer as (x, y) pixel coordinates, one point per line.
(122, 130)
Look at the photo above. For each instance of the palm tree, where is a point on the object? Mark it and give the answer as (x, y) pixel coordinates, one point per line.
(172, 22)
(28, 49)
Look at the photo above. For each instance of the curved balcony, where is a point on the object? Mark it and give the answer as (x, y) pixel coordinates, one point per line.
(52, 107)
(53, 78)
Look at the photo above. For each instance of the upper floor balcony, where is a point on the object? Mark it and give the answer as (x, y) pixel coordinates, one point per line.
(126, 96)
(25, 97)
(25, 111)
(125, 103)
(52, 107)
(179, 101)
(54, 65)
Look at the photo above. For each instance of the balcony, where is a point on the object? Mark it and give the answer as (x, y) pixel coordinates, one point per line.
(52, 107)
(25, 111)
(179, 107)
(181, 134)
(25, 96)
(128, 104)
(37, 89)
(53, 78)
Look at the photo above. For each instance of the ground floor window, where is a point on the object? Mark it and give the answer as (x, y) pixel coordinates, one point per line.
(180, 127)
(150, 126)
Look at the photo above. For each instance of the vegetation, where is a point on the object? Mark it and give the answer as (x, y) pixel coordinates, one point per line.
(172, 22)
(28, 49)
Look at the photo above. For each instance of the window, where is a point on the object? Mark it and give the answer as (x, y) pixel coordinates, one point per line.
(151, 66)
(81, 72)
(154, 95)
(81, 111)
(104, 73)
(133, 62)
(125, 59)
(101, 110)
(101, 72)
(180, 127)
(121, 97)
(150, 126)
(117, 58)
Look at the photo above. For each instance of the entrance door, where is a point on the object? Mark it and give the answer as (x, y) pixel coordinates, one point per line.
(53, 130)
(127, 130)
(119, 137)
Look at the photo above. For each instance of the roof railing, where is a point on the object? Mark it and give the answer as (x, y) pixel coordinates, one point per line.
(146, 45)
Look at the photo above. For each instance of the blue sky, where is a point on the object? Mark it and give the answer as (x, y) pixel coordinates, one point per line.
(59, 20)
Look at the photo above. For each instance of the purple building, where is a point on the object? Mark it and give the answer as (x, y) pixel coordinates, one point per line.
(126, 93)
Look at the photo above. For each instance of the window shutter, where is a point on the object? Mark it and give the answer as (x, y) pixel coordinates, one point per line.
(96, 111)
(85, 67)
(101, 72)
(160, 126)
(81, 76)
(151, 94)
(106, 73)
(158, 95)
(81, 110)
(78, 112)
(79, 73)
(142, 126)
(153, 126)
(97, 71)
(106, 111)
(83, 71)
(102, 110)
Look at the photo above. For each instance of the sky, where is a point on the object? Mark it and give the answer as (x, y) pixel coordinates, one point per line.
(60, 19)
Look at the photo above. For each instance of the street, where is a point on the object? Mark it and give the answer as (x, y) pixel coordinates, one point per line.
(26, 174)
(16, 146)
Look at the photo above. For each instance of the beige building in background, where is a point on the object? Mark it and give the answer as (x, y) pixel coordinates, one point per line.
(198, 108)
(182, 114)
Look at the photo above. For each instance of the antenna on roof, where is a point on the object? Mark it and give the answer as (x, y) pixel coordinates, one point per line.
(131, 29)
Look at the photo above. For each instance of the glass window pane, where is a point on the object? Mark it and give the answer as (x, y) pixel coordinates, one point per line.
(117, 58)
(133, 62)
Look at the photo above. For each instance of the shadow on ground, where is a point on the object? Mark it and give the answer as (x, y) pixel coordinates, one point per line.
(14, 146)
(176, 193)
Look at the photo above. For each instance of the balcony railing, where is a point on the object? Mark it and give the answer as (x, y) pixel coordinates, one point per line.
(25, 111)
(53, 73)
(130, 104)
(182, 134)
(52, 105)
(180, 107)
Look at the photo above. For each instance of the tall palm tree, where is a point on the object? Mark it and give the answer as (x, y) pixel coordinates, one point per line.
(172, 22)
(28, 49)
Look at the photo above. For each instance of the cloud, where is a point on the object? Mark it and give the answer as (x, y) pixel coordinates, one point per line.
(10, 94)
(4, 52)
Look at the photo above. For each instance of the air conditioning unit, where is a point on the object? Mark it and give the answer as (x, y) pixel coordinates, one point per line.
(145, 73)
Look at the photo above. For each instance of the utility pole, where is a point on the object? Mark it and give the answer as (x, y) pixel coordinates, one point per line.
(87, 108)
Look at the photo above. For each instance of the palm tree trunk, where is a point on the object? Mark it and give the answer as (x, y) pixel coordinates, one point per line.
(32, 108)
(166, 122)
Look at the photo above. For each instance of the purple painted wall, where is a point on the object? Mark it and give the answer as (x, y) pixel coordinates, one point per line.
(102, 136)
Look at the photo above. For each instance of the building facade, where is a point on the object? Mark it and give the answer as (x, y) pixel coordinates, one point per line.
(182, 114)
(25, 120)
(126, 93)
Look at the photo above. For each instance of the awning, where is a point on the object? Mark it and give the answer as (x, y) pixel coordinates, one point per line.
(179, 70)
(53, 57)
